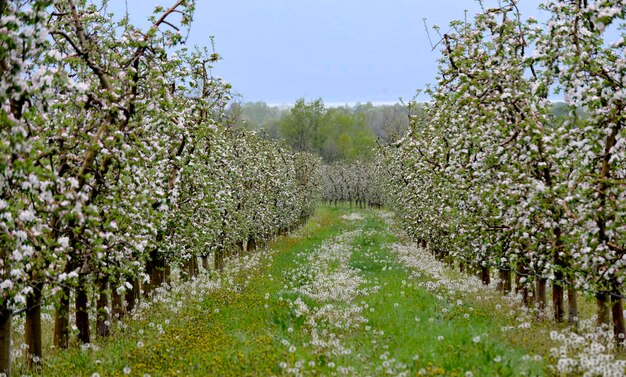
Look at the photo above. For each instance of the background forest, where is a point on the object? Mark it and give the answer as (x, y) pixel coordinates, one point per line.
(341, 133)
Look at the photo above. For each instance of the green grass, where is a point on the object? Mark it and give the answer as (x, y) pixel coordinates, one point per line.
(413, 320)
(240, 333)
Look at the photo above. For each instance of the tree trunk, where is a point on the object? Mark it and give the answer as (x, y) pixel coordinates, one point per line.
(219, 259)
(5, 340)
(540, 290)
(155, 268)
(526, 297)
(132, 295)
(167, 271)
(32, 327)
(251, 245)
(572, 305)
(103, 318)
(82, 313)
(193, 266)
(205, 263)
(602, 303)
(117, 305)
(522, 272)
(617, 309)
(505, 283)
(461, 267)
(62, 320)
(558, 302)
(557, 287)
(485, 276)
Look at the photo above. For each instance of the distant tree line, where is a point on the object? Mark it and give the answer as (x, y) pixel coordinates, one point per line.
(334, 133)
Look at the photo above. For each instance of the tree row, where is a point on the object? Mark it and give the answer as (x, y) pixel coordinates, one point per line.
(490, 177)
(118, 161)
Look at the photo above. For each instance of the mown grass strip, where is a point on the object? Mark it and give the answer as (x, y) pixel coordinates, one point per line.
(423, 333)
(252, 331)
(227, 333)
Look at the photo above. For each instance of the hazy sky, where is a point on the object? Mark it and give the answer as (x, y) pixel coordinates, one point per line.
(341, 50)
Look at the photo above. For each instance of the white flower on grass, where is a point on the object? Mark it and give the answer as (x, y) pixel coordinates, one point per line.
(476, 339)
(127, 370)
(440, 338)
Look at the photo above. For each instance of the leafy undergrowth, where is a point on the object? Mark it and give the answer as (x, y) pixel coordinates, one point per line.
(344, 295)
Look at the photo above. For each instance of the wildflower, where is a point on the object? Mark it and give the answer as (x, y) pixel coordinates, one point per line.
(126, 370)
(554, 335)
(476, 339)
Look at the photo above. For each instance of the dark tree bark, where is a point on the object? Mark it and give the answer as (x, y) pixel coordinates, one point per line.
(32, 327)
(617, 309)
(572, 305)
(251, 245)
(602, 303)
(117, 304)
(219, 259)
(505, 280)
(205, 263)
(558, 302)
(82, 313)
(485, 275)
(103, 318)
(540, 291)
(132, 295)
(6, 317)
(62, 319)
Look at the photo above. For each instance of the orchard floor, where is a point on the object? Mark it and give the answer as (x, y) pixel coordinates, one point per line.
(334, 298)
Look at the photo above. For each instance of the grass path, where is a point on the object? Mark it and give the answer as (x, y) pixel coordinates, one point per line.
(333, 299)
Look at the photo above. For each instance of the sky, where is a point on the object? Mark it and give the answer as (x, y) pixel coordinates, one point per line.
(344, 51)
